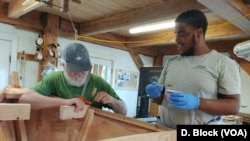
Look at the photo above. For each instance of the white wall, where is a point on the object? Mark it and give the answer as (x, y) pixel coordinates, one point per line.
(147, 61)
(26, 42)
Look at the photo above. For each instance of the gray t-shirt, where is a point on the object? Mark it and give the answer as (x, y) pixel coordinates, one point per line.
(204, 76)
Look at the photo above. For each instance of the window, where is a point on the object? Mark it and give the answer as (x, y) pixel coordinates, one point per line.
(102, 67)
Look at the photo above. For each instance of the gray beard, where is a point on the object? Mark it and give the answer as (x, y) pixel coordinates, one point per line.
(73, 82)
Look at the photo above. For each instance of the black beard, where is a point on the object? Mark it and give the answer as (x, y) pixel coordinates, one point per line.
(190, 51)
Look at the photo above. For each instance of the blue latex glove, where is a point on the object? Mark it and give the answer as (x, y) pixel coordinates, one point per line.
(153, 90)
(183, 100)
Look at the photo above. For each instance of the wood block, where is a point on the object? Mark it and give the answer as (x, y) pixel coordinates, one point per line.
(14, 93)
(14, 111)
(14, 79)
(68, 112)
(86, 126)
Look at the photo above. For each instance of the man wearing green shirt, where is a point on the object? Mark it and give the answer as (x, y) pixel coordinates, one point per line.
(65, 87)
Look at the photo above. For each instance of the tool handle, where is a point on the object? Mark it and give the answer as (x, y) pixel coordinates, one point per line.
(85, 100)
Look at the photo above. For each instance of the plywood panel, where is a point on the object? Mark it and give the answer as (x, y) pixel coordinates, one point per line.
(103, 125)
(45, 125)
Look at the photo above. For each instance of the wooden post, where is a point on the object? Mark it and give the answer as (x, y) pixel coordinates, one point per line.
(50, 38)
(19, 124)
(86, 125)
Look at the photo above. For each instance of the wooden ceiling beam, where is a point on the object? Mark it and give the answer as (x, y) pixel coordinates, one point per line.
(246, 1)
(222, 45)
(18, 8)
(106, 39)
(30, 21)
(229, 12)
(168, 37)
(137, 59)
(148, 51)
(241, 6)
(137, 17)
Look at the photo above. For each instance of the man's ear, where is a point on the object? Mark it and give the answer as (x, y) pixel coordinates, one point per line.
(63, 64)
(199, 32)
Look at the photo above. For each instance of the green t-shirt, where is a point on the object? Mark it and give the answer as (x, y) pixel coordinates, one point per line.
(55, 84)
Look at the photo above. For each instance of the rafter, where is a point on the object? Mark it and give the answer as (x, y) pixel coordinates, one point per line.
(247, 2)
(168, 37)
(229, 12)
(17, 8)
(137, 17)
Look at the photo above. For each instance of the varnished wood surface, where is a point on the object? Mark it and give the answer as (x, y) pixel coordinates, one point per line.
(45, 125)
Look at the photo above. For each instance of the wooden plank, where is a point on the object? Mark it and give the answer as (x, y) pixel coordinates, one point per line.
(17, 8)
(106, 39)
(156, 136)
(127, 120)
(104, 125)
(14, 111)
(47, 122)
(14, 93)
(86, 125)
(25, 111)
(30, 21)
(118, 126)
(137, 59)
(241, 5)
(28, 57)
(230, 13)
(14, 79)
(68, 112)
(137, 17)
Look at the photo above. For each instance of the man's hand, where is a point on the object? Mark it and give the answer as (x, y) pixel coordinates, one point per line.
(118, 106)
(104, 98)
(153, 90)
(77, 102)
(183, 100)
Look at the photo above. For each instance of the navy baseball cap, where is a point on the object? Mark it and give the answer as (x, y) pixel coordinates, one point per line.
(77, 57)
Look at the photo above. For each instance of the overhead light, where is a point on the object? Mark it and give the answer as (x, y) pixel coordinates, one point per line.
(152, 27)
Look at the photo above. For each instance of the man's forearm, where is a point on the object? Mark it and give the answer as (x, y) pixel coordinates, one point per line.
(39, 101)
(119, 107)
